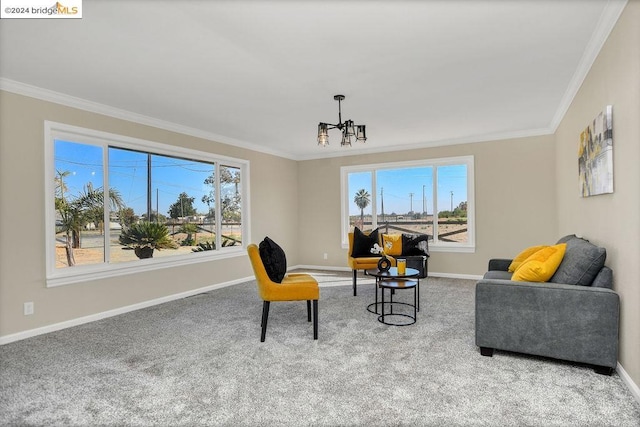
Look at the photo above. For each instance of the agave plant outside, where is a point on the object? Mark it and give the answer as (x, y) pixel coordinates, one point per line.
(146, 236)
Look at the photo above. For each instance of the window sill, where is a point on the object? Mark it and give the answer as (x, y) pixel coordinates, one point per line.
(104, 271)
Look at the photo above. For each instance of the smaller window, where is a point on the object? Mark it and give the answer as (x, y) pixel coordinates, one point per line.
(433, 197)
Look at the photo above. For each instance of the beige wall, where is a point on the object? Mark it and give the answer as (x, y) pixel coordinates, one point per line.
(22, 245)
(610, 220)
(514, 195)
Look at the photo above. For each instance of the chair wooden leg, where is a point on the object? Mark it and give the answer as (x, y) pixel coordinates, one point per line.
(309, 310)
(315, 319)
(265, 316)
(355, 276)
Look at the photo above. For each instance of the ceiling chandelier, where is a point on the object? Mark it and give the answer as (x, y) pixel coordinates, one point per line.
(349, 130)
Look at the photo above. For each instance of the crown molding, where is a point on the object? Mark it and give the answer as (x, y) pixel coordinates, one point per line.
(106, 110)
(472, 139)
(36, 92)
(610, 15)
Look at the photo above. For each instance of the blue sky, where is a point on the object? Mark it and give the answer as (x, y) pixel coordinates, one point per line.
(396, 186)
(128, 174)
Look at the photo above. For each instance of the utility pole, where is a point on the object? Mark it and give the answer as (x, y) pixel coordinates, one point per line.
(411, 202)
(424, 212)
(149, 206)
(452, 202)
(382, 200)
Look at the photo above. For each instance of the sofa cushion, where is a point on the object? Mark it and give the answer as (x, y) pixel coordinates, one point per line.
(415, 244)
(273, 259)
(526, 253)
(392, 244)
(497, 274)
(363, 243)
(500, 264)
(566, 238)
(540, 266)
(581, 264)
(604, 279)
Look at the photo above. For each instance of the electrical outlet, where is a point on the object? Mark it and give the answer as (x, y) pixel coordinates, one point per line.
(28, 308)
(326, 256)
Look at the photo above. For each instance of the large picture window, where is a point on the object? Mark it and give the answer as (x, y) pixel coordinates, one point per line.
(433, 197)
(117, 205)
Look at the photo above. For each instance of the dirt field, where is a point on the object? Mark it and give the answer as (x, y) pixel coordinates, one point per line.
(443, 229)
(92, 252)
(96, 256)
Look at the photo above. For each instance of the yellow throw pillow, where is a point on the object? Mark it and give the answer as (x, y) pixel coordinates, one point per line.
(519, 259)
(540, 266)
(392, 244)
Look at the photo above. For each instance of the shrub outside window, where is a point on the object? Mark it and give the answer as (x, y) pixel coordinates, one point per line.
(432, 196)
(117, 205)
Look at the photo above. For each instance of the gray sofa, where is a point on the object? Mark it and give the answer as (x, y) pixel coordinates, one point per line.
(574, 316)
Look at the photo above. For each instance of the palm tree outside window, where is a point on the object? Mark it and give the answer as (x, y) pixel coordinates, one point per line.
(362, 199)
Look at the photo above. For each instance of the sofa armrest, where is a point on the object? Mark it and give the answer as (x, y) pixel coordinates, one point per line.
(568, 322)
(499, 264)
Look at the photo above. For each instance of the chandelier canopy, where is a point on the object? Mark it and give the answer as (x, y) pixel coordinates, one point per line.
(349, 130)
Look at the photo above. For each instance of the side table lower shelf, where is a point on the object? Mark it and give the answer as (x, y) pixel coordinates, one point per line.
(388, 318)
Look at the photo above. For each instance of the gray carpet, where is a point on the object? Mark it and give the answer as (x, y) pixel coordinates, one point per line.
(199, 361)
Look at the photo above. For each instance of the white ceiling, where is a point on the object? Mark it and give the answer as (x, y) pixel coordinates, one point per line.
(263, 74)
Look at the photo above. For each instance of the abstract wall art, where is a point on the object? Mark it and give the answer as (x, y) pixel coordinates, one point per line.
(595, 155)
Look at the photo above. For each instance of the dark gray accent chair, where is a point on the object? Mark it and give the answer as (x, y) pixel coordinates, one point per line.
(573, 317)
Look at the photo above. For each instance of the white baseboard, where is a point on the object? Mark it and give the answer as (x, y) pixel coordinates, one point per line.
(317, 267)
(628, 381)
(456, 276)
(6, 339)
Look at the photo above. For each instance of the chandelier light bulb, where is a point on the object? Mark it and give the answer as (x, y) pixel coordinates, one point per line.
(361, 134)
(323, 135)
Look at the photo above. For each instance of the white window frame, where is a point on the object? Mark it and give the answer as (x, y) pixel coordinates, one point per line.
(82, 273)
(436, 245)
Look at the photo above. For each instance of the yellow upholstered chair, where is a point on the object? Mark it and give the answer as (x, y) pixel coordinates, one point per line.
(294, 287)
(362, 263)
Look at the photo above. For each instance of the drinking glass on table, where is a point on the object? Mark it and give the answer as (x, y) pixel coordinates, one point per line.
(402, 265)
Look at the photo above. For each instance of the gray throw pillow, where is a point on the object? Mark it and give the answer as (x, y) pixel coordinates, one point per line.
(415, 244)
(604, 279)
(581, 263)
(566, 238)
